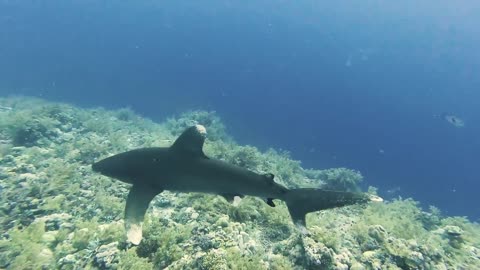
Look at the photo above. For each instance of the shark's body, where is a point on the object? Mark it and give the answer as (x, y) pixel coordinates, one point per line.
(184, 167)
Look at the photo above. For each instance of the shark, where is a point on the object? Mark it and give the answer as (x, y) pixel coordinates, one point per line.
(184, 167)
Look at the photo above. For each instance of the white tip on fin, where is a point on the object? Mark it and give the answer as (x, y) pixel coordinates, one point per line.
(375, 198)
(236, 201)
(201, 129)
(134, 233)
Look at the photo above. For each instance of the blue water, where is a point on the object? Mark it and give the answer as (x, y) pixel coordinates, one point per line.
(354, 85)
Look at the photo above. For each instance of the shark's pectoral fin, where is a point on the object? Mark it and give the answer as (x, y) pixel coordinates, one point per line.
(233, 198)
(138, 200)
(269, 201)
(229, 197)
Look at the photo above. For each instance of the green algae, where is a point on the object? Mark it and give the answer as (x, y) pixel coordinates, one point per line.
(128, 259)
(56, 213)
(25, 248)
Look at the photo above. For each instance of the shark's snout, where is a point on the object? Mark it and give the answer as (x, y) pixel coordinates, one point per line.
(125, 166)
(109, 166)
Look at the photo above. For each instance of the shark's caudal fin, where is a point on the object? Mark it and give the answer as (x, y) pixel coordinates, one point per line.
(305, 200)
(138, 200)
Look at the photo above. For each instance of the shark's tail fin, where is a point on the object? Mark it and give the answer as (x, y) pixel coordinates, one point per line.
(305, 200)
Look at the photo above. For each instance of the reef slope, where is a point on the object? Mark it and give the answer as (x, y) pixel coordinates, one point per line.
(56, 213)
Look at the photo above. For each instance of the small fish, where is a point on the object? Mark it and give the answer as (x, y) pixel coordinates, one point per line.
(452, 119)
(5, 108)
(393, 190)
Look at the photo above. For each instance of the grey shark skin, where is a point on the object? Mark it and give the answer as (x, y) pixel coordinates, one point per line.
(184, 167)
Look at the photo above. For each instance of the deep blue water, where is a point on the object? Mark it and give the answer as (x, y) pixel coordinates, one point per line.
(335, 84)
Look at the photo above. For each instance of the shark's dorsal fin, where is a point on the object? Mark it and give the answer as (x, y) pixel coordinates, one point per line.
(190, 142)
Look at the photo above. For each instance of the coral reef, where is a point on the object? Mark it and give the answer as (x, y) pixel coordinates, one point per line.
(215, 127)
(342, 179)
(55, 213)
